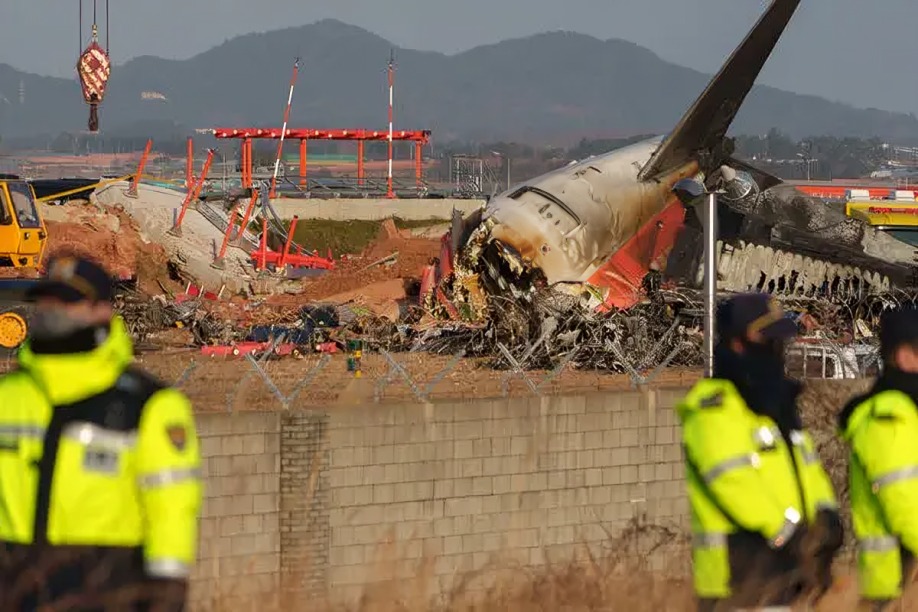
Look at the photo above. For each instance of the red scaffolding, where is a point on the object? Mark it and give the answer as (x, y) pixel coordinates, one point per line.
(418, 137)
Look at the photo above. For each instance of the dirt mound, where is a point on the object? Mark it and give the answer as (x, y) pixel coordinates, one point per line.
(409, 256)
(113, 238)
(113, 250)
(108, 236)
(14, 273)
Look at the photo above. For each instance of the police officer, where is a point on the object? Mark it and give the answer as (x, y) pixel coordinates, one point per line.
(881, 428)
(754, 480)
(99, 464)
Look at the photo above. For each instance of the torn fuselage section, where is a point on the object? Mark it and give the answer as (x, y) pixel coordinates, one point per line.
(487, 265)
(779, 241)
(608, 249)
(588, 230)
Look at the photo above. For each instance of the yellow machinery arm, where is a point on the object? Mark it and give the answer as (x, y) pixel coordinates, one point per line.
(62, 194)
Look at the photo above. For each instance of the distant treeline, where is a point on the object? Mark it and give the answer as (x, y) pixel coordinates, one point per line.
(816, 157)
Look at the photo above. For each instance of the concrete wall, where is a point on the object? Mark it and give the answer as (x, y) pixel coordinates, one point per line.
(239, 550)
(522, 478)
(306, 498)
(372, 210)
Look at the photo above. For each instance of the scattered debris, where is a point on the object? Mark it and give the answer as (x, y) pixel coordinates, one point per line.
(541, 330)
(145, 317)
(390, 297)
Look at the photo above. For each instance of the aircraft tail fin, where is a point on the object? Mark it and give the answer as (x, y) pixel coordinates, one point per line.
(705, 124)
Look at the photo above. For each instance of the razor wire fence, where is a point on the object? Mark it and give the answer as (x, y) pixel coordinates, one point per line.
(530, 344)
(265, 379)
(270, 377)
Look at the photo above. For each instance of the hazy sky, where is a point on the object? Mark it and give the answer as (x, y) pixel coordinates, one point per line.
(856, 51)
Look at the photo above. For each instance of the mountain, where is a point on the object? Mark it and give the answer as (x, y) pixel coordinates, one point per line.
(552, 87)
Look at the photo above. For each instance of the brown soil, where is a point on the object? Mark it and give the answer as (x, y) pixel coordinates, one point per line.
(18, 273)
(242, 312)
(110, 237)
(596, 584)
(354, 274)
(381, 298)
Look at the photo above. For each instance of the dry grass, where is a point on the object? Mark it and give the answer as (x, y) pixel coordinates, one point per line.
(351, 236)
(643, 568)
(611, 581)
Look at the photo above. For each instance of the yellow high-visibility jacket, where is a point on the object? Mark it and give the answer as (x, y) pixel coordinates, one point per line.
(741, 478)
(882, 430)
(95, 453)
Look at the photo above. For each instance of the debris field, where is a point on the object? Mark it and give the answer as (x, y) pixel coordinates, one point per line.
(372, 300)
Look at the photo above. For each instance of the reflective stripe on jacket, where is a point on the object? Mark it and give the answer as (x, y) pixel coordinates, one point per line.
(883, 481)
(741, 478)
(94, 453)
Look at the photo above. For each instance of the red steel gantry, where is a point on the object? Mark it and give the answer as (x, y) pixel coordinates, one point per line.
(418, 137)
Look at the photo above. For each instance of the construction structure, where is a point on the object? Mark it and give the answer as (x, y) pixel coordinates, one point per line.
(361, 136)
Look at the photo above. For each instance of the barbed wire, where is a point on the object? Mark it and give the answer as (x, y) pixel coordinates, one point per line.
(533, 346)
(264, 379)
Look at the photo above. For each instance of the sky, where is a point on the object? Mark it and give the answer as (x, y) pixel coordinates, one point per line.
(855, 51)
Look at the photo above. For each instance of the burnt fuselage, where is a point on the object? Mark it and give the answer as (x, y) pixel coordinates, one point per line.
(594, 224)
(598, 226)
(571, 223)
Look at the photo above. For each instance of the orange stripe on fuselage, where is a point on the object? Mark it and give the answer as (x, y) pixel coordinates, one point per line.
(624, 272)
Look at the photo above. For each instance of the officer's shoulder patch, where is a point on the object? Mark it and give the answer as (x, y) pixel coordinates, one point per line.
(712, 401)
(178, 435)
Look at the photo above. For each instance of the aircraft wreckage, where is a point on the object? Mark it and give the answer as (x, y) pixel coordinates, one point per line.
(603, 228)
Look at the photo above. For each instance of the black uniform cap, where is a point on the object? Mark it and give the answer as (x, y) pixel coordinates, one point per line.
(753, 312)
(74, 279)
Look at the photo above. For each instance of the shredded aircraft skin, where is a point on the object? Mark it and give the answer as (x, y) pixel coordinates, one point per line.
(487, 269)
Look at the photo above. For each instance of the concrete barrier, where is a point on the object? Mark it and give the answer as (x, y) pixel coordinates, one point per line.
(300, 501)
(372, 210)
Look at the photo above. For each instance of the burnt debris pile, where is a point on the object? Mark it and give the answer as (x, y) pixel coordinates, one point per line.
(542, 330)
(547, 329)
(145, 316)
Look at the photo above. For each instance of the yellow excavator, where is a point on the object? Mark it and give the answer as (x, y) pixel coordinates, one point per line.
(23, 238)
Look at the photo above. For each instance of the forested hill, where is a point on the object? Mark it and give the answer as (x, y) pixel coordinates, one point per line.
(555, 87)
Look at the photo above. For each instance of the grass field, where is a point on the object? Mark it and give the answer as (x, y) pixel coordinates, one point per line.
(347, 236)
